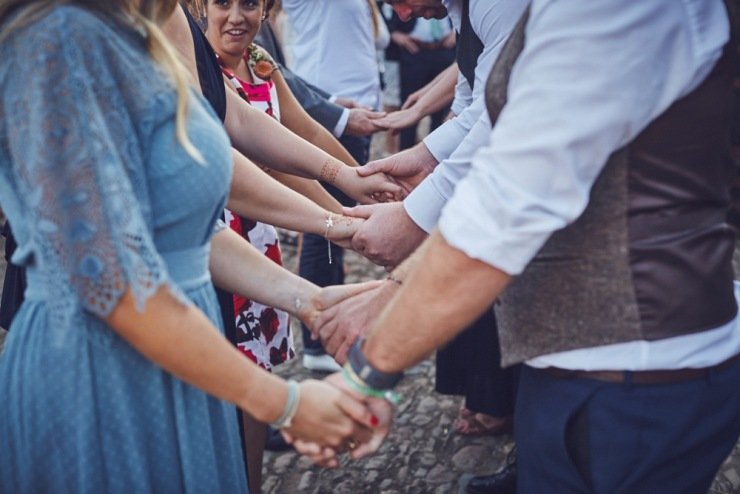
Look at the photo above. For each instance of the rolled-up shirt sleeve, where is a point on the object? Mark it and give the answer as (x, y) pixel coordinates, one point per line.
(443, 141)
(579, 91)
(424, 205)
(463, 95)
(492, 21)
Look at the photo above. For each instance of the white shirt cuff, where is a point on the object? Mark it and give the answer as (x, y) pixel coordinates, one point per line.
(458, 106)
(424, 205)
(444, 140)
(341, 125)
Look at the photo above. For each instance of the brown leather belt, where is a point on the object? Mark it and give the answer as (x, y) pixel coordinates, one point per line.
(641, 377)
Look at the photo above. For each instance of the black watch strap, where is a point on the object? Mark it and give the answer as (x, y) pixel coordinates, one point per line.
(371, 376)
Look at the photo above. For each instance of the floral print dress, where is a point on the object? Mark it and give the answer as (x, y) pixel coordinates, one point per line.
(262, 333)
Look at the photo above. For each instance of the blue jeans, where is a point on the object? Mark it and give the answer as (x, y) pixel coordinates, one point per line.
(314, 261)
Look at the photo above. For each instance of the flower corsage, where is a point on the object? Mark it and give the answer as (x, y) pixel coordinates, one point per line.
(260, 63)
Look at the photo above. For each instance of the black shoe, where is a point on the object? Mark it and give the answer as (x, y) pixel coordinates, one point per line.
(501, 482)
(275, 441)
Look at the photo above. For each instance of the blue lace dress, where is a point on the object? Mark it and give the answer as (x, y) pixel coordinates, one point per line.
(103, 199)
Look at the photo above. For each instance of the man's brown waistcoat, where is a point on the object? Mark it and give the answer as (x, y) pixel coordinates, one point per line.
(650, 257)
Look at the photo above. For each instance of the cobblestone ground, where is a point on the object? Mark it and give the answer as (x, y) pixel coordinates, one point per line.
(422, 453)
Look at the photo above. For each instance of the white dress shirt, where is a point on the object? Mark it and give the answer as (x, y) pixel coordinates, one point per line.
(341, 124)
(454, 142)
(591, 77)
(334, 47)
(492, 21)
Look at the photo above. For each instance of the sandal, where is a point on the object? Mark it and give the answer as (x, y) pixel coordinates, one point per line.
(469, 423)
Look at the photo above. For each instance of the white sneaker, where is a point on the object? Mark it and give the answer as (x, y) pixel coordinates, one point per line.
(320, 363)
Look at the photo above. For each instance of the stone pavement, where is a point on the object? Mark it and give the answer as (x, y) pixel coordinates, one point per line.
(422, 454)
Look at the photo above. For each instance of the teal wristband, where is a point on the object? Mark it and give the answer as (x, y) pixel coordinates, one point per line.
(290, 408)
(359, 386)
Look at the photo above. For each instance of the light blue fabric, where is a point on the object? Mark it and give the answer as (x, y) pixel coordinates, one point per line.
(103, 199)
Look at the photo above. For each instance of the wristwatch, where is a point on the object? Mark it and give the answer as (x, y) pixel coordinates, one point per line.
(371, 377)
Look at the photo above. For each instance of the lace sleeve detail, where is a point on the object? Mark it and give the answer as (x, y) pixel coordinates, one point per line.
(75, 153)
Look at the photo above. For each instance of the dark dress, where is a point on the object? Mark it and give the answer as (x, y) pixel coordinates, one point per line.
(14, 283)
(470, 364)
(213, 89)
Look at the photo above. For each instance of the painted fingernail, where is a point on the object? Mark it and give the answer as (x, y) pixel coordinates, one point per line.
(374, 420)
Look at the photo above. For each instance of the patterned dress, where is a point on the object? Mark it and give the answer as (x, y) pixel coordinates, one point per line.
(262, 333)
(104, 200)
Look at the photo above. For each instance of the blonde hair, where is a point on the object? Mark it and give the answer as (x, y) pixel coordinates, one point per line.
(147, 14)
(197, 8)
(375, 13)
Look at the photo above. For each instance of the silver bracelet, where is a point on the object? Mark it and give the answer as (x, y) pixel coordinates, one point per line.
(329, 222)
(291, 406)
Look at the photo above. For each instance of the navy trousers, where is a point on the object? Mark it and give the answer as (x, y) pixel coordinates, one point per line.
(314, 260)
(586, 436)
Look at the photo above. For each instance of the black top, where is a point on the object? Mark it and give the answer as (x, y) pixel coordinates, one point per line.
(212, 86)
(469, 46)
(209, 72)
(14, 283)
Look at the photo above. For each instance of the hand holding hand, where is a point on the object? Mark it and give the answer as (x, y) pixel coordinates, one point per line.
(381, 418)
(343, 229)
(388, 235)
(399, 120)
(369, 188)
(408, 168)
(341, 324)
(329, 420)
(308, 311)
(363, 122)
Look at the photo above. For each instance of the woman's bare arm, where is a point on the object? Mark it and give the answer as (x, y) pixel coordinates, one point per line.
(255, 194)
